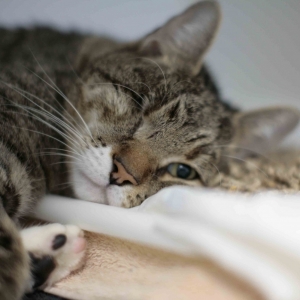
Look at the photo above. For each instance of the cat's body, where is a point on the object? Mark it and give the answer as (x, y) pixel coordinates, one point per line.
(107, 122)
(24, 91)
(38, 73)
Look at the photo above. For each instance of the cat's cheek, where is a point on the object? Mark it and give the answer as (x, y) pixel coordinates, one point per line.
(85, 189)
(117, 194)
(96, 164)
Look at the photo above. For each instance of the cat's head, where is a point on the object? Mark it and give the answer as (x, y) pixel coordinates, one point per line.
(152, 115)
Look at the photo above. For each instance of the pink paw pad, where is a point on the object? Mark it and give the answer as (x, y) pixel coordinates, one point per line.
(79, 245)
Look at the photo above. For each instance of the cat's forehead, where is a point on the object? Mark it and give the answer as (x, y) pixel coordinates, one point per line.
(177, 110)
(169, 98)
(127, 68)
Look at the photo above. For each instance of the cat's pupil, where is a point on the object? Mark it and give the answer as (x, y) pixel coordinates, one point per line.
(183, 171)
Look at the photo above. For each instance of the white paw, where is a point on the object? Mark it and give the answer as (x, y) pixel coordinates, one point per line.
(65, 245)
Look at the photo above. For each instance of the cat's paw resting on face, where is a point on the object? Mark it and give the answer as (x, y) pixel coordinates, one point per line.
(55, 251)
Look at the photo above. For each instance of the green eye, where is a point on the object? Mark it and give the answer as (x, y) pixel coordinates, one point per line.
(182, 171)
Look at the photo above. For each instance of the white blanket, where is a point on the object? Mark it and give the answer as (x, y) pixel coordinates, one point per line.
(255, 236)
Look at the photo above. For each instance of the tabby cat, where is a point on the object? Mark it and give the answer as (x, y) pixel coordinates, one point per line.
(112, 123)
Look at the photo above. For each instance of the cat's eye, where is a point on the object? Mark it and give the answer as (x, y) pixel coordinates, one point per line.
(182, 171)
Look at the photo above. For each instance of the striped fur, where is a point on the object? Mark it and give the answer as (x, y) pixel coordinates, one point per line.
(134, 105)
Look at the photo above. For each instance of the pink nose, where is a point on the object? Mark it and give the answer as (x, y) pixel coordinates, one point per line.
(120, 176)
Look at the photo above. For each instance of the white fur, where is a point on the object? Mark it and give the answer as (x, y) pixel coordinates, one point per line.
(115, 194)
(39, 239)
(90, 176)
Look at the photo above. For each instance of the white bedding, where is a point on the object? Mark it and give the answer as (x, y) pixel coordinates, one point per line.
(257, 236)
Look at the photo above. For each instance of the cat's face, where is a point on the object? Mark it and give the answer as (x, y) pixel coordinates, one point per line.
(153, 117)
(162, 131)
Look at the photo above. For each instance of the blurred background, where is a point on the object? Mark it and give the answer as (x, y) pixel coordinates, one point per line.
(255, 58)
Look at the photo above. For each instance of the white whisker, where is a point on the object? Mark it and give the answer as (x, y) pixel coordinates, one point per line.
(143, 84)
(219, 173)
(62, 162)
(44, 113)
(109, 83)
(20, 91)
(154, 62)
(54, 87)
(59, 154)
(64, 150)
(120, 85)
(38, 132)
(237, 158)
(28, 110)
(244, 148)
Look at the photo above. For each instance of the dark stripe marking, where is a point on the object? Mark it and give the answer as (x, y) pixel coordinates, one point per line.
(21, 156)
(10, 199)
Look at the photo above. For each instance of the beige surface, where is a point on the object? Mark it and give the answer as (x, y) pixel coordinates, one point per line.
(121, 270)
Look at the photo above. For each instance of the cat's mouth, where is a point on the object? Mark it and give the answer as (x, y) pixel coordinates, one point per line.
(91, 178)
(91, 190)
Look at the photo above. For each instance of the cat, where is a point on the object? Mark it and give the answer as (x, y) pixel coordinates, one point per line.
(112, 123)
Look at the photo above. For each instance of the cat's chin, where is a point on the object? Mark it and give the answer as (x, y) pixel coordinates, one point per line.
(86, 189)
(110, 194)
(115, 194)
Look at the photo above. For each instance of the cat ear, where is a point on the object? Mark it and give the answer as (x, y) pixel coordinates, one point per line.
(183, 41)
(258, 132)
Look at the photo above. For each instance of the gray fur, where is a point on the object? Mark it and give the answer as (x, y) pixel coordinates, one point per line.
(147, 100)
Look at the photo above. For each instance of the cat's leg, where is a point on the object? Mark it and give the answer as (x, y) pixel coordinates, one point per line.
(14, 260)
(38, 258)
(55, 251)
(19, 191)
(21, 186)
